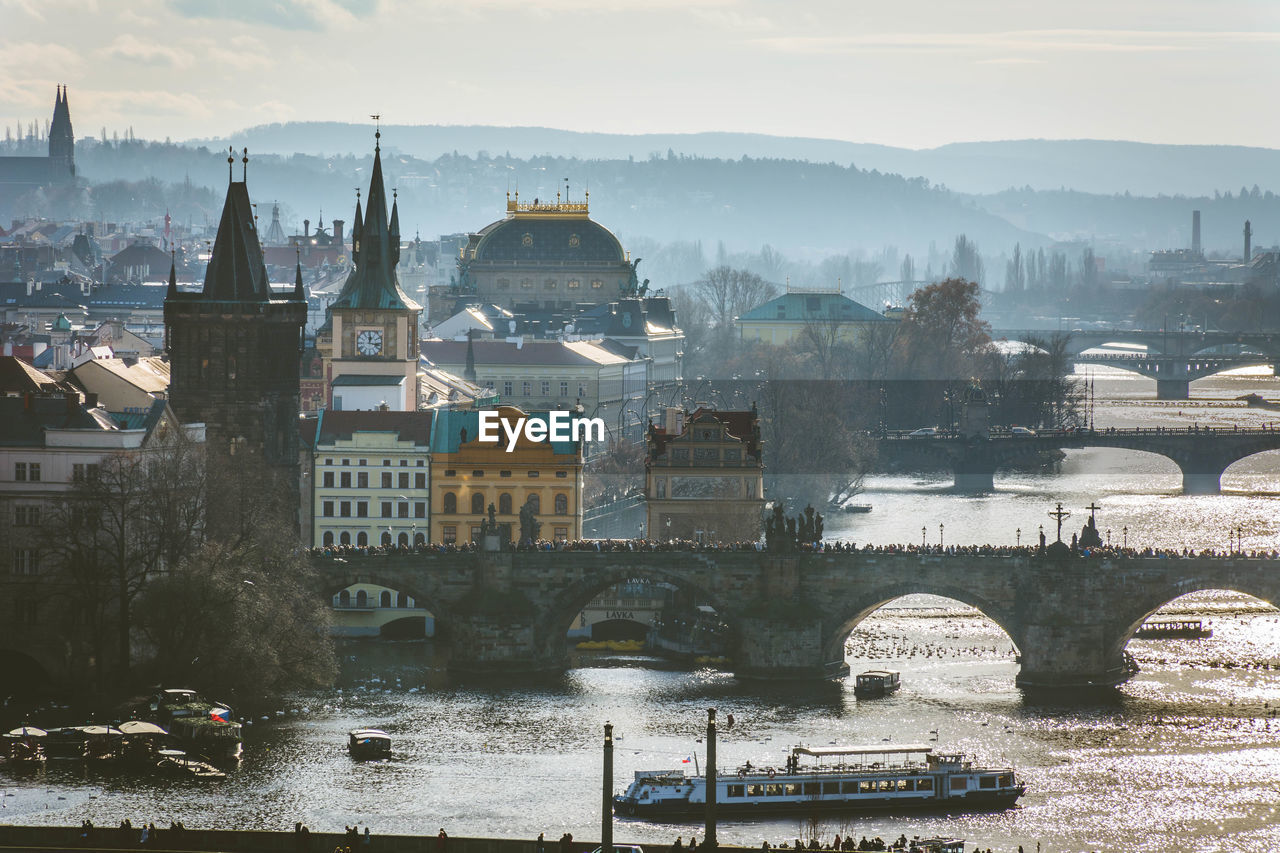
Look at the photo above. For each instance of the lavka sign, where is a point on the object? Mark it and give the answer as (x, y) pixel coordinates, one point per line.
(559, 426)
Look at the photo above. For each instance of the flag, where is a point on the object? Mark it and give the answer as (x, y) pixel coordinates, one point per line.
(687, 760)
(220, 714)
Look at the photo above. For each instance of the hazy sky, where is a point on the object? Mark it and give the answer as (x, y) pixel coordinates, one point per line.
(915, 74)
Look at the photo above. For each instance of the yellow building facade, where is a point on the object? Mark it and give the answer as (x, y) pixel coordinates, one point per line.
(467, 475)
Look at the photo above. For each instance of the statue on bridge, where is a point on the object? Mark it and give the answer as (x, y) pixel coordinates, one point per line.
(529, 524)
(489, 526)
(1089, 537)
(784, 535)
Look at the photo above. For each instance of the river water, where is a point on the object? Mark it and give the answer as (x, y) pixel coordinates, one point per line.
(1186, 756)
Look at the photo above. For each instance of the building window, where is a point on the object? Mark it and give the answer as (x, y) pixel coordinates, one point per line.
(34, 469)
(81, 473)
(403, 480)
(418, 539)
(344, 509)
(362, 539)
(662, 488)
(386, 463)
(450, 534)
(534, 502)
(328, 479)
(386, 479)
(420, 464)
(582, 390)
(386, 509)
(450, 502)
(20, 471)
(526, 284)
(564, 389)
(420, 509)
(328, 540)
(562, 475)
(386, 538)
(477, 503)
(562, 533)
(26, 516)
(24, 561)
(546, 388)
(574, 284)
(364, 462)
(562, 504)
(362, 480)
(526, 388)
(549, 284)
(504, 284)
(534, 474)
(506, 389)
(402, 509)
(362, 509)
(384, 598)
(504, 503)
(450, 472)
(504, 473)
(345, 480)
(404, 463)
(328, 461)
(362, 598)
(402, 600)
(328, 509)
(596, 284)
(403, 541)
(344, 538)
(420, 480)
(477, 473)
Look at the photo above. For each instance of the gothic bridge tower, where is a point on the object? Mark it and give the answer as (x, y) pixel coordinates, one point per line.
(62, 140)
(234, 348)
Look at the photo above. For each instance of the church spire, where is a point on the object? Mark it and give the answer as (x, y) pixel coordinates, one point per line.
(357, 226)
(298, 292)
(395, 228)
(173, 274)
(236, 272)
(373, 283)
(469, 369)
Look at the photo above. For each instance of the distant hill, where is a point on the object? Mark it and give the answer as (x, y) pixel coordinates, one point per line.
(1093, 166)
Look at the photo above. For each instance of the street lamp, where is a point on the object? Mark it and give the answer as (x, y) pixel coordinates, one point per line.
(1240, 538)
(1125, 531)
(1018, 533)
(939, 534)
(924, 532)
(1108, 537)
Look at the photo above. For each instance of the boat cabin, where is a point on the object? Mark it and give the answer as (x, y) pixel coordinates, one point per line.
(877, 682)
(369, 743)
(1189, 628)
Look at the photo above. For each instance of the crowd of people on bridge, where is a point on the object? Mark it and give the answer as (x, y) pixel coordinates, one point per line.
(1100, 552)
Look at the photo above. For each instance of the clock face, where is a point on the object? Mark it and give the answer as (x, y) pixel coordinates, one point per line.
(369, 342)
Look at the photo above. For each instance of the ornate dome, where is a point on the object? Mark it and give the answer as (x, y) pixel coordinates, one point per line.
(546, 232)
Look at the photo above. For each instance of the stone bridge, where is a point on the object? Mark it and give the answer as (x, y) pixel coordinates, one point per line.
(1173, 359)
(1202, 454)
(1069, 617)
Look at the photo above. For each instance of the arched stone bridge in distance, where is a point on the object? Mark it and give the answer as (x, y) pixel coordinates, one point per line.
(1070, 618)
(1173, 359)
(1202, 454)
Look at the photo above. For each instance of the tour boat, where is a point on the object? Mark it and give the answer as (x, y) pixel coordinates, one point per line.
(1192, 628)
(886, 778)
(876, 682)
(214, 736)
(369, 743)
(24, 744)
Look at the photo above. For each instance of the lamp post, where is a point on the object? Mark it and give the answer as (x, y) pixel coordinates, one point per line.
(939, 535)
(924, 532)
(606, 805)
(1125, 531)
(1240, 538)
(1108, 537)
(709, 834)
(1018, 534)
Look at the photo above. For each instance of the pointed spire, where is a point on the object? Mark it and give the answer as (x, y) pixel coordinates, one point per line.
(394, 228)
(469, 369)
(236, 272)
(173, 275)
(298, 292)
(357, 226)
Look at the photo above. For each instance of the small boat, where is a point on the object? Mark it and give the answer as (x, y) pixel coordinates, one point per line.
(142, 742)
(856, 508)
(369, 743)
(886, 778)
(25, 744)
(1188, 628)
(102, 743)
(176, 762)
(876, 682)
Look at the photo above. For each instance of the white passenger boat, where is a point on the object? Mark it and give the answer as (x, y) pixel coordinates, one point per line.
(872, 778)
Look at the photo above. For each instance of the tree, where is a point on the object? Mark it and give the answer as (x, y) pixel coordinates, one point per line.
(907, 272)
(1015, 275)
(966, 263)
(727, 293)
(942, 332)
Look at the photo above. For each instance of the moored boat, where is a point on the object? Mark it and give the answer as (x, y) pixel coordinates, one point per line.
(369, 743)
(1173, 628)
(873, 778)
(213, 736)
(176, 762)
(876, 682)
(25, 744)
(142, 742)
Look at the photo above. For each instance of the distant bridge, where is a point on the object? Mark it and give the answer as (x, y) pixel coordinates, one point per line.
(1201, 453)
(1173, 359)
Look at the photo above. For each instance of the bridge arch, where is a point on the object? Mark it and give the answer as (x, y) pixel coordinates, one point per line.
(558, 615)
(381, 604)
(1267, 591)
(853, 611)
(23, 673)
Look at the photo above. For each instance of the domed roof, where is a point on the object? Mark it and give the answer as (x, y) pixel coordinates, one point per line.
(553, 236)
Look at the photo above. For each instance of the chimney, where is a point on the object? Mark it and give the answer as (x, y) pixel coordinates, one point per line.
(1195, 231)
(91, 400)
(306, 227)
(1248, 241)
(73, 402)
(337, 231)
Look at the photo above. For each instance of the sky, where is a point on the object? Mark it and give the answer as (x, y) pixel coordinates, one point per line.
(910, 73)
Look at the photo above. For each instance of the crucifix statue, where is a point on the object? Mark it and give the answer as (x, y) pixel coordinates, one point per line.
(1060, 514)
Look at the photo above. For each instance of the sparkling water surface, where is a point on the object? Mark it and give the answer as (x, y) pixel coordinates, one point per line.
(1186, 756)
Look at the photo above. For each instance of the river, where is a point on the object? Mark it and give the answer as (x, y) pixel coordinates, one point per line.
(1186, 756)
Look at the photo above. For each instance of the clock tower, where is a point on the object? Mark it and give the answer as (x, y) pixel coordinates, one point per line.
(370, 340)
